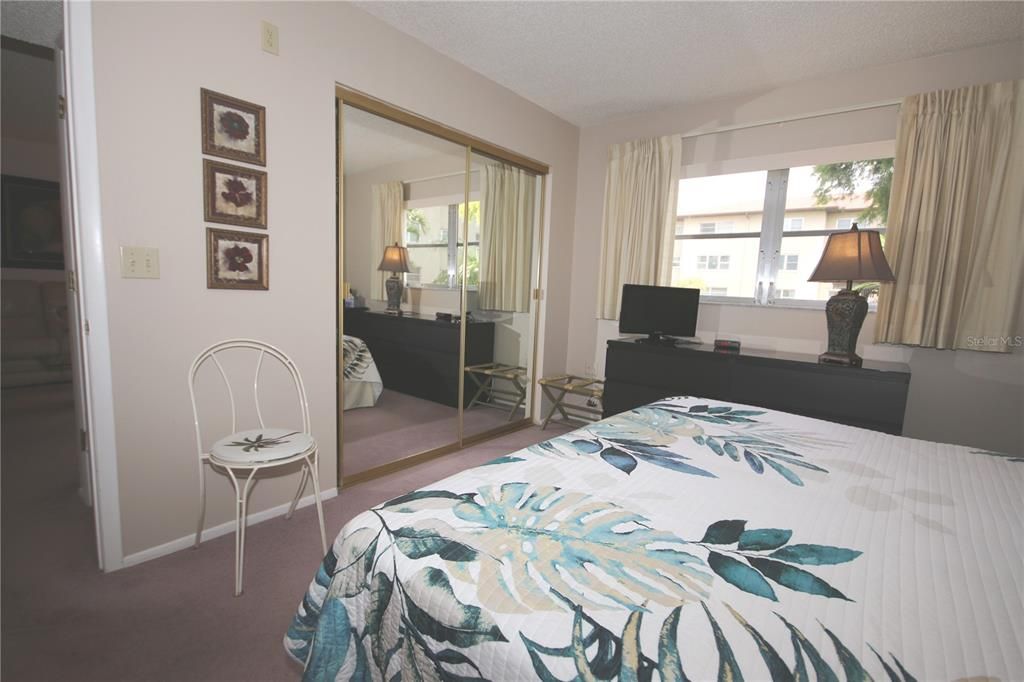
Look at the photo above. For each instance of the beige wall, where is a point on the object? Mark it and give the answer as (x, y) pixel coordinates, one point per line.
(151, 60)
(963, 396)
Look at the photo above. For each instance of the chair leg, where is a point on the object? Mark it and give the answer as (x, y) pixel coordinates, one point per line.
(313, 470)
(202, 503)
(241, 511)
(298, 493)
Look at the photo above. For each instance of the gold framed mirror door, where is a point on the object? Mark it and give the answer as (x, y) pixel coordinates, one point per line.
(419, 407)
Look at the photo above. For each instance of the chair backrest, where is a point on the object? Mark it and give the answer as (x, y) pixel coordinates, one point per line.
(262, 350)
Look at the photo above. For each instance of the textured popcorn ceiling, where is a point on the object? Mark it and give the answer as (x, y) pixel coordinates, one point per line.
(591, 61)
(34, 21)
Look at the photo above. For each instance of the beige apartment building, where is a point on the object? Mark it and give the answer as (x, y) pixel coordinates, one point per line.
(727, 266)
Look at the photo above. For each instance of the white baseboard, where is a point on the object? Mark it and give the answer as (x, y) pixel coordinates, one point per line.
(222, 529)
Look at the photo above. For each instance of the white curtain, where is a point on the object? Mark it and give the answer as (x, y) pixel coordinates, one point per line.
(506, 237)
(956, 220)
(638, 230)
(387, 228)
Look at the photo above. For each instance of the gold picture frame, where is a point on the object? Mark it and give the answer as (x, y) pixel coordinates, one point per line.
(237, 260)
(234, 195)
(233, 128)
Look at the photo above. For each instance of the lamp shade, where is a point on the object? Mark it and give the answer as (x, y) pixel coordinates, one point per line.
(853, 256)
(396, 259)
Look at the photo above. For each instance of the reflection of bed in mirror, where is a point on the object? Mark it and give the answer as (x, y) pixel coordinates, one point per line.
(363, 385)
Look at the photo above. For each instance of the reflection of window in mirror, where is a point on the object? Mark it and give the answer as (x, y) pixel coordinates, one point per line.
(432, 236)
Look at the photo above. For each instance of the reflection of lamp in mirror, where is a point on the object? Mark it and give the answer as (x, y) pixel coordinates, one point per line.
(395, 261)
(850, 256)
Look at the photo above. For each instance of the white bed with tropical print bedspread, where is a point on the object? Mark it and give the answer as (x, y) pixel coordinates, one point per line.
(363, 384)
(688, 539)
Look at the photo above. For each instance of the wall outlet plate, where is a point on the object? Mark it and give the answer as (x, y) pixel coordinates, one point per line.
(140, 262)
(269, 37)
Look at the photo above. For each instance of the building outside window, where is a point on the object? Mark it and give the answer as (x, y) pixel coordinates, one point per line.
(791, 236)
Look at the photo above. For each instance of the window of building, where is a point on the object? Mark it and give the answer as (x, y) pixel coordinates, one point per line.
(709, 262)
(435, 251)
(777, 228)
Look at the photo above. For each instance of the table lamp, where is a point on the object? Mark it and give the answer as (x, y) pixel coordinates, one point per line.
(853, 256)
(395, 260)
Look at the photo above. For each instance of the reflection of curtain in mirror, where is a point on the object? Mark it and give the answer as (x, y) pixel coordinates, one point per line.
(386, 229)
(506, 238)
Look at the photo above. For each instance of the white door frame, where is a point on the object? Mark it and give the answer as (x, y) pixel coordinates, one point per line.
(88, 262)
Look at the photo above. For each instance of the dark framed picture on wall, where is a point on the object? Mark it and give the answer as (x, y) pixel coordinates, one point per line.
(237, 260)
(233, 128)
(32, 230)
(234, 195)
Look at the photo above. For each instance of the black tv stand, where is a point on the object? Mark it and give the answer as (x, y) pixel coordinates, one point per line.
(658, 339)
(873, 396)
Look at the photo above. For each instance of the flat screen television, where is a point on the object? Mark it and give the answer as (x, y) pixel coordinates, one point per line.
(658, 311)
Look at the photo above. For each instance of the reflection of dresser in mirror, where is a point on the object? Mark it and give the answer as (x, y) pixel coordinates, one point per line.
(419, 356)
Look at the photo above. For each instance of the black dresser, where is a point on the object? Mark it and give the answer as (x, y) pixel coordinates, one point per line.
(873, 396)
(419, 356)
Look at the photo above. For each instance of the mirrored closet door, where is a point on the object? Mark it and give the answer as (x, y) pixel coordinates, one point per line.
(504, 223)
(403, 208)
(438, 262)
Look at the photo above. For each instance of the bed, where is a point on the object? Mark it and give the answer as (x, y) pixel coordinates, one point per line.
(687, 539)
(363, 385)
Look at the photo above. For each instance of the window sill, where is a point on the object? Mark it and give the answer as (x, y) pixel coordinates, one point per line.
(794, 304)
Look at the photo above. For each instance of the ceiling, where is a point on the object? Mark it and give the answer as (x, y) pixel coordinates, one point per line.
(591, 61)
(373, 142)
(34, 21)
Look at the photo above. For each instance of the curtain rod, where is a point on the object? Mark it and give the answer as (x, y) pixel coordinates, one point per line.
(439, 177)
(777, 121)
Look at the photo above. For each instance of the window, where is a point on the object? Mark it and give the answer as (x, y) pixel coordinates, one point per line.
(759, 235)
(709, 262)
(432, 236)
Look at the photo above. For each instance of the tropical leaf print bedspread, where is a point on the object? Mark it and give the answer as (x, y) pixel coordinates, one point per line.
(685, 540)
(363, 384)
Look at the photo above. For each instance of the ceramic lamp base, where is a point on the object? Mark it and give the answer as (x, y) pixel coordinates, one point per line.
(844, 314)
(393, 287)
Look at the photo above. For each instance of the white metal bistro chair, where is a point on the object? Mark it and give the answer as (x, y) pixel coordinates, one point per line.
(243, 453)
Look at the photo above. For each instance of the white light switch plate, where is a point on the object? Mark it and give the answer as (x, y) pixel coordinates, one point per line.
(140, 262)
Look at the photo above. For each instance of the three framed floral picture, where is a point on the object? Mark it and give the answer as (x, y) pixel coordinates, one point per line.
(235, 195)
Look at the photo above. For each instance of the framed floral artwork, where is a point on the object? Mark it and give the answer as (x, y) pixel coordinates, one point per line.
(234, 195)
(237, 260)
(233, 128)
(31, 224)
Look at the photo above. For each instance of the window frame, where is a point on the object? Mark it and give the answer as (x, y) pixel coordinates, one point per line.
(769, 262)
(453, 243)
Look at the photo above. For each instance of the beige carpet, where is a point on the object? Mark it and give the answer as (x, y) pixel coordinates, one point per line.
(173, 618)
(400, 425)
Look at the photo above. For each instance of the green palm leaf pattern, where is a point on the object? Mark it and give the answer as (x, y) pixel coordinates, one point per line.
(356, 357)
(645, 434)
(621, 657)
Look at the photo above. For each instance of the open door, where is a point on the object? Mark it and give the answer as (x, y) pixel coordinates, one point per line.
(76, 323)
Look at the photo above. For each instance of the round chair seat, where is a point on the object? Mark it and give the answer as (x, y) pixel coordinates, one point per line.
(261, 445)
